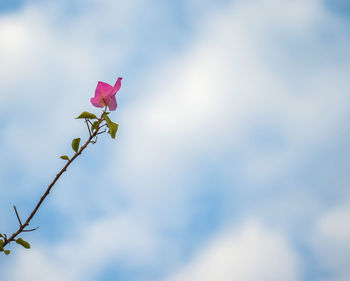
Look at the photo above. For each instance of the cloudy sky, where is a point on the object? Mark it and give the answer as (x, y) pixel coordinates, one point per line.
(232, 158)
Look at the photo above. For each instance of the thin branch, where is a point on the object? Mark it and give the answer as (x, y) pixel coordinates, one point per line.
(29, 230)
(26, 223)
(101, 132)
(86, 121)
(19, 220)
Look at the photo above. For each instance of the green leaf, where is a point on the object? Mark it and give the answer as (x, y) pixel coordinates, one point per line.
(94, 125)
(105, 117)
(87, 115)
(113, 128)
(7, 252)
(1, 235)
(23, 243)
(64, 157)
(75, 144)
(1, 245)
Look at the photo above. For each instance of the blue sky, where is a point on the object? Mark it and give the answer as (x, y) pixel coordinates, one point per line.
(232, 156)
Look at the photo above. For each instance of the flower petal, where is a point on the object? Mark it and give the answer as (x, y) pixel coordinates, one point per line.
(97, 101)
(102, 89)
(117, 85)
(113, 104)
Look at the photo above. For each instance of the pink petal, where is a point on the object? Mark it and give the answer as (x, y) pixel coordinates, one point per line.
(113, 104)
(101, 88)
(117, 85)
(104, 92)
(97, 101)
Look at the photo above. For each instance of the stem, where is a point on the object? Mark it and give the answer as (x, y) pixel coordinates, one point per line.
(26, 223)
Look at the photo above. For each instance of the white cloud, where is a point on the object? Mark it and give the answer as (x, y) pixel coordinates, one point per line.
(120, 240)
(42, 72)
(248, 254)
(34, 265)
(331, 242)
(211, 99)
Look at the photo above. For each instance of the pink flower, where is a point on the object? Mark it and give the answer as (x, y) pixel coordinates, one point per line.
(105, 95)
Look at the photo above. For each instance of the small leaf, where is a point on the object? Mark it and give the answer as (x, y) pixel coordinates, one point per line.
(87, 115)
(64, 157)
(94, 125)
(75, 144)
(105, 117)
(23, 243)
(1, 235)
(113, 128)
(7, 252)
(1, 245)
